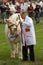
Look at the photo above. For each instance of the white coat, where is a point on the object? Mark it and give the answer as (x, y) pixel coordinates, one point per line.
(28, 33)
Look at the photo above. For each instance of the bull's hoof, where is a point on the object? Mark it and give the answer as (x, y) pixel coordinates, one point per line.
(12, 56)
(20, 58)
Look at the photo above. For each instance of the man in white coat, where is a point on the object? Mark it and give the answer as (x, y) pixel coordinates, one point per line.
(28, 36)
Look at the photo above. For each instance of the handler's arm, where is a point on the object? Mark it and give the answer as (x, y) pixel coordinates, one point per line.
(27, 23)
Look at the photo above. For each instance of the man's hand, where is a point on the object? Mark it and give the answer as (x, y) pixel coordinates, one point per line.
(20, 23)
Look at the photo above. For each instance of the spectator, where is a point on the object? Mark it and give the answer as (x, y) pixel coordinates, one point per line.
(41, 3)
(3, 11)
(24, 5)
(37, 13)
(7, 11)
(37, 2)
(30, 10)
(17, 6)
(12, 8)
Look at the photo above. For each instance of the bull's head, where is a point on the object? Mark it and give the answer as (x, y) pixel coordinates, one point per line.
(12, 26)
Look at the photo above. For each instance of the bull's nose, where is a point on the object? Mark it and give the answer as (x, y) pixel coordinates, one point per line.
(15, 29)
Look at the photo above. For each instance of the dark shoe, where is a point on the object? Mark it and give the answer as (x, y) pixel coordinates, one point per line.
(32, 60)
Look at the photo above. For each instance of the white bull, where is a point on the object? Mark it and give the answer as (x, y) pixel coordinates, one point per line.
(13, 31)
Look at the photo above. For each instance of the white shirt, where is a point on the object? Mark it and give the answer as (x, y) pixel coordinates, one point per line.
(29, 35)
(17, 3)
(41, 3)
(12, 8)
(24, 6)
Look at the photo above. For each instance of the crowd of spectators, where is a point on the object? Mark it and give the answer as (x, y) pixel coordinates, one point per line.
(11, 7)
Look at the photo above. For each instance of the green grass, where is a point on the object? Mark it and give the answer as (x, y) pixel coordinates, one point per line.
(5, 48)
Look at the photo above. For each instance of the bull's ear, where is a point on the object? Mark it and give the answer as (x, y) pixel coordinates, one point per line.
(7, 21)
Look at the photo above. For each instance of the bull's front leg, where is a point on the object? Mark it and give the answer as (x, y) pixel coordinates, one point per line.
(20, 50)
(13, 49)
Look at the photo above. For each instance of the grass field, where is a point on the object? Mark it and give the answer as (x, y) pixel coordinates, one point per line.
(5, 48)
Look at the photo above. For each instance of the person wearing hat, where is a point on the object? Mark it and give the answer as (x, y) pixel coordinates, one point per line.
(28, 36)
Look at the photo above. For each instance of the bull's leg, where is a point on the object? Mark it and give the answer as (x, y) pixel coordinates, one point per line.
(20, 50)
(13, 49)
(17, 48)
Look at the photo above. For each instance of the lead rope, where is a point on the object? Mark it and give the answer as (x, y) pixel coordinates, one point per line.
(22, 34)
(21, 29)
